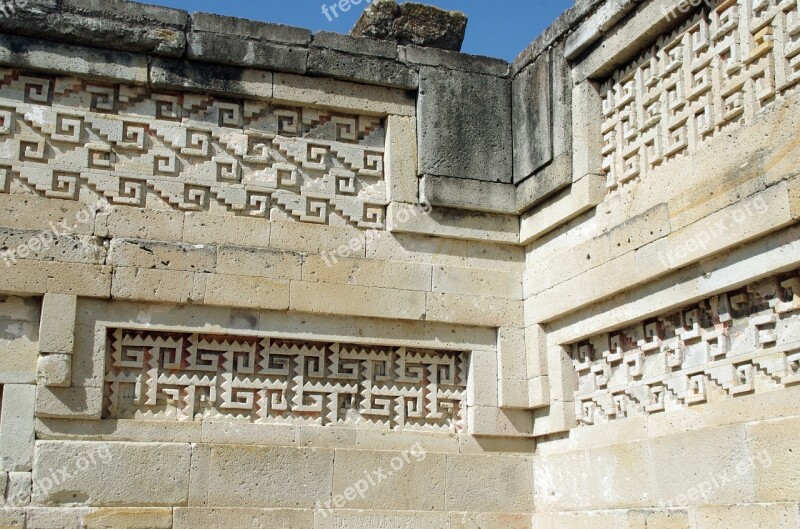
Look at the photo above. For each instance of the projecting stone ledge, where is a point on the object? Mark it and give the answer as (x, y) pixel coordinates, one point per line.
(416, 24)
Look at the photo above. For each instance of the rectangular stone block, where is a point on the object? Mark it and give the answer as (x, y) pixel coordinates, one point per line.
(465, 125)
(425, 56)
(402, 182)
(532, 103)
(774, 453)
(162, 255)
(489, 483)
(205, 228)
(356, 45)
(248, 261)
(361, 68)
(368, 272)
(138, 223)
(192, 518)
(412, 481)
(111, 474)
(127, 518)
(474, 281)
(236, 50)
(246, 291)
(19, 343)
(55, 370)
(17, 427)
(495, 422)
(490, 520)
(473, 195)
(338, 241)
(57, 326)
(353, 300)
(211, 78)
(473, 310)
(452, 223)
(225, 25)
(19, 489)
(35, 54)
(69, 403)
(11, 518)
(703, 467)
(274, 477)
(30, 212)
(482, 379)
(511, 354)
(341, 95)
(772, 515)
(563, 481)
(142, 284)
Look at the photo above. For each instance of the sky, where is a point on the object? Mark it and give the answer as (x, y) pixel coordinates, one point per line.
(497, 28)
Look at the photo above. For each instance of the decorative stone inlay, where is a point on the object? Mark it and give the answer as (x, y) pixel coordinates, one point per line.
(74, 139)
(741, 342)
(717, 71)
(194, 376)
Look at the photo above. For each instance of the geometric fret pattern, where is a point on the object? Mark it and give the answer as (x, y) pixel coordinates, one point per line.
(77, 139)
(179, 376)
(738, 343)
(717, 71)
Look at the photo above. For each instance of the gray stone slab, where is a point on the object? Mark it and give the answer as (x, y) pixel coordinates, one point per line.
(112, 24)
(210, 78)
(362, 69)
(224, 25)
(358, 46)
(239, 51)
(464, 125)
(468, 194)
(457, 61)
(533, 144)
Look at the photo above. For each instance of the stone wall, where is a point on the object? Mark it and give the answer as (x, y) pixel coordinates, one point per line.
(255, 277)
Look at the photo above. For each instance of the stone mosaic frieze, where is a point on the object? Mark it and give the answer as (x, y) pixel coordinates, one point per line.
(179, 376)
(741, 342)
(74, 139)
(716, 72)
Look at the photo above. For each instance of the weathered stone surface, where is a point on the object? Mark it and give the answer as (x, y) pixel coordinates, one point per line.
(532, 114)
(355, 45)
(16, 428)
(361, 68)
(464, 125)
(410, 23)
(177, 74)
(224, 25)
(240, 51)
(457, 61)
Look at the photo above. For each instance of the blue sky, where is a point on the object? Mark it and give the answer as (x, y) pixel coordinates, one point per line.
(498, 28)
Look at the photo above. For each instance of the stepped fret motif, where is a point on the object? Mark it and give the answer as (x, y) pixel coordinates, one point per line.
(718, 70)
(191, 376)
(741, 342)
(73, 139)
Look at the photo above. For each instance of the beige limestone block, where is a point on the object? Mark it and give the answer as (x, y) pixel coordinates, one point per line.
(470, 444)
(536, 351)
(482, 379)
(341, 95)
(200, 466)
(55, 370)
(413, 482)
(248, 433)
(354, 300)
(775, 456)
(335, 242)
(474, 310)
(11, 518)
(160, 255)
(538, 392)
(402, 182)
(138, 518)
(43, 214)
(143, 284)
(111, 474)
(484, 520)
(325, 437)
(475, 281)
(513, 393)
(400, 440)
(139, 223)
(563, 481)
(489, 483)
(379, 518)
(702, 467)
(74, 402)
(493, 421)
(194, 518)
(63, 518)
(771, 515)
(39, 277)
(621, 476)
(277, 477)
(368, 272)
(18, 351)
(511, 354)
(556, 418)
(247, 291)
(452, 223)
(207, 228)
(57, 327)
(248, 261)
(118, 430)
(17, 427)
